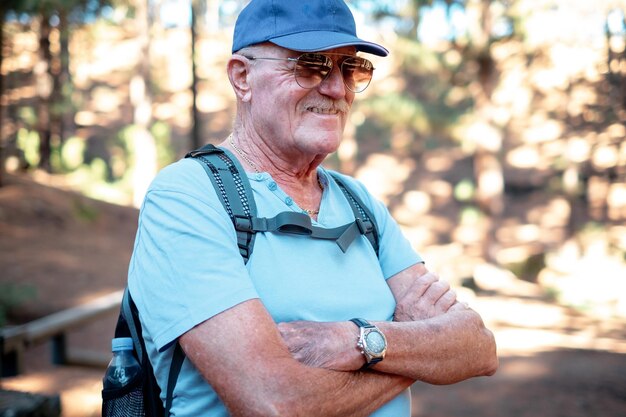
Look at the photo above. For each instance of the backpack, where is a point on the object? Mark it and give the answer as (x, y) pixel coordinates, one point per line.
(141, 397)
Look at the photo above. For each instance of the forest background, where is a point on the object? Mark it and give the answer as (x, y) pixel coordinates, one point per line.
(494, 132)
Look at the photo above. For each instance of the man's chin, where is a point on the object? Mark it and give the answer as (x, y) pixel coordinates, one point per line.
(320, 141)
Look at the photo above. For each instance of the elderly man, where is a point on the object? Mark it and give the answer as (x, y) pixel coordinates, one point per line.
(302, 329)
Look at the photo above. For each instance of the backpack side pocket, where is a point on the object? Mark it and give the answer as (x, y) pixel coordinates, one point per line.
(126, 401)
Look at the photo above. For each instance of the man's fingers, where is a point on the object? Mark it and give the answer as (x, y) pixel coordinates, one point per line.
(446, 301)
(435, 291)
(423, 283)
(460, 305)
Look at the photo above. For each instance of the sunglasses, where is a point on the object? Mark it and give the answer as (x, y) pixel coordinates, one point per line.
(312, 68)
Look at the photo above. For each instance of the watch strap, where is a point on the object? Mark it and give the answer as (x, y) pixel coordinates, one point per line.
(362, 323)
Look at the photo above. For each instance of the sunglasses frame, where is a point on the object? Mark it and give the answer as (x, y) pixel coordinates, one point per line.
(297, 60)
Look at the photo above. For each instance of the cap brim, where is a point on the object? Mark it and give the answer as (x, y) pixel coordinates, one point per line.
(312, 41)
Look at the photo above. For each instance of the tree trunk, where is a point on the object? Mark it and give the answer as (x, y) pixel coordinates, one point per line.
(195, 123)
(2, 140)
(415, 15)
(44, 90)
(57, 104)
(64, 112)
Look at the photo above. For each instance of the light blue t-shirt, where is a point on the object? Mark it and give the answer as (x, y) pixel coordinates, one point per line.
(186, 268)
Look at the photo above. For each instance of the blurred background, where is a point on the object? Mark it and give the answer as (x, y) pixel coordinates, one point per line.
(494, 132)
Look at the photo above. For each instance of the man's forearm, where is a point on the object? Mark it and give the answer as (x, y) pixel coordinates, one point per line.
(440, 350)
(443, 349)
(258, 376)
(341, 394)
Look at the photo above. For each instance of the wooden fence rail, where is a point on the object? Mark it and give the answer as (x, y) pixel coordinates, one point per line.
(15, 340)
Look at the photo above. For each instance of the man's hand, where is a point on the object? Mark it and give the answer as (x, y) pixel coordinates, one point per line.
(426, 297)
(333, 345)
(322, 344)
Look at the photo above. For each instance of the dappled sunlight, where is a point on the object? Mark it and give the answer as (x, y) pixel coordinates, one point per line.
(518, 233)
(524, 370)
(145, 165)
(166, 111)
(100, 65)
(438, 161)
(86, 118)
(209, 102)
(578, 149)
(526, 156)
(616, 237)
(28, 43)
(605, 156)
(181, 99)
(616, 200)
(598, 191)
(518, 254)
(42, 382)
(172, 52)
(438, 257)
(525, 341)
(489, 277)
(105, 99)
(580, 97)
(542, 130)
(384, 175)
(84, 401)
(555, 213)
(419, 236)
(571, 61)
(591, 277)
(21, 93)
(441, 191)
(470, 234)
(81, 394)
(484, 135)
(415, 204)
(525, 326)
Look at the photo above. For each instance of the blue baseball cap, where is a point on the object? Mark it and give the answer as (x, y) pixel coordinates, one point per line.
(300, 25)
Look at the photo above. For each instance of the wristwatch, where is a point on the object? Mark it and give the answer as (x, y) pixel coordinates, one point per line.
(372, 342)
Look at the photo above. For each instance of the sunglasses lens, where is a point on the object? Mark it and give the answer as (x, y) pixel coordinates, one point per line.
(312, 69)
(357, 73)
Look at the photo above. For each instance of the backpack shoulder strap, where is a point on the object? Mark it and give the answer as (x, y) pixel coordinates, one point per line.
(177, 363)
(234, 191)
(151, 390)
(360, 210)
(235, 194)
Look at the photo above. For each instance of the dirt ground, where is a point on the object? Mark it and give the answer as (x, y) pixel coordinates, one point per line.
(553, 361)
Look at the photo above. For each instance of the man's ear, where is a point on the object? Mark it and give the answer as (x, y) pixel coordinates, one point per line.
(238, 69)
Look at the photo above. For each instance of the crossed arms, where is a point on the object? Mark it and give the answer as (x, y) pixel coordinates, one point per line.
(302, 368)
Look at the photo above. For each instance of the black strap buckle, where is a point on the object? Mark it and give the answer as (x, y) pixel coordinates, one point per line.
(243, 223)
(365, 226)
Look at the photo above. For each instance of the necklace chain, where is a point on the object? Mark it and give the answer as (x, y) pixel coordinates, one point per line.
(242, 154)
(257, 170)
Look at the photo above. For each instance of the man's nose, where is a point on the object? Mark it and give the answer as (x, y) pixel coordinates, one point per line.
(333, 85)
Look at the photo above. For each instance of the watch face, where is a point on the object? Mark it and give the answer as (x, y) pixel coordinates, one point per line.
(375, 342)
